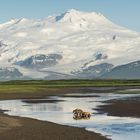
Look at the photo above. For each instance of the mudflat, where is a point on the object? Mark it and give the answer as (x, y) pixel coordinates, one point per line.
(17, 128)
(128, 107)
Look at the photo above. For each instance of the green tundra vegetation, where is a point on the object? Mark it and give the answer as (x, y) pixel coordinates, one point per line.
(41, 85)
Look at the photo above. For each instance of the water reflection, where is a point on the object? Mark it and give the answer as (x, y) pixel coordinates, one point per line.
(81, 118)
(43, 107)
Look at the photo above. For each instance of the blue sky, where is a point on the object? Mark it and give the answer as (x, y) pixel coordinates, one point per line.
(122, 12)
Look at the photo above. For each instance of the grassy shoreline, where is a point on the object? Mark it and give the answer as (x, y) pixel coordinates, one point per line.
(72, 82)
(40, 85)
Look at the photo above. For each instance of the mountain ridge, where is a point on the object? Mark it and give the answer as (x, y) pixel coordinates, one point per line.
(67, 43)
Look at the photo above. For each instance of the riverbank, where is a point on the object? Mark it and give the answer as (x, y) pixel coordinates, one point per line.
(17, 128)
(128, 107)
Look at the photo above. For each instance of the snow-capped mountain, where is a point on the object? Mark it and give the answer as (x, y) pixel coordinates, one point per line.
(74, 44)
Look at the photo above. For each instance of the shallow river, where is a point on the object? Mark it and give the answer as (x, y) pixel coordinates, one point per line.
(58, 109)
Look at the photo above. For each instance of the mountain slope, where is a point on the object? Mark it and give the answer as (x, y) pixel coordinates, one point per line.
(67, 43)
(128, 71)
(10, 73)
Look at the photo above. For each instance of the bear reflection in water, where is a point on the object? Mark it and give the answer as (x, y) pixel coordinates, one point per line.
(79, 114)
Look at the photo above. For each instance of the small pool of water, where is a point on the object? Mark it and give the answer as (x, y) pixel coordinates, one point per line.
(58, 109)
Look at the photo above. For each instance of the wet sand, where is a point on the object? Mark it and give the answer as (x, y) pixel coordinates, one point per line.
(128, 107)
(17, 128)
